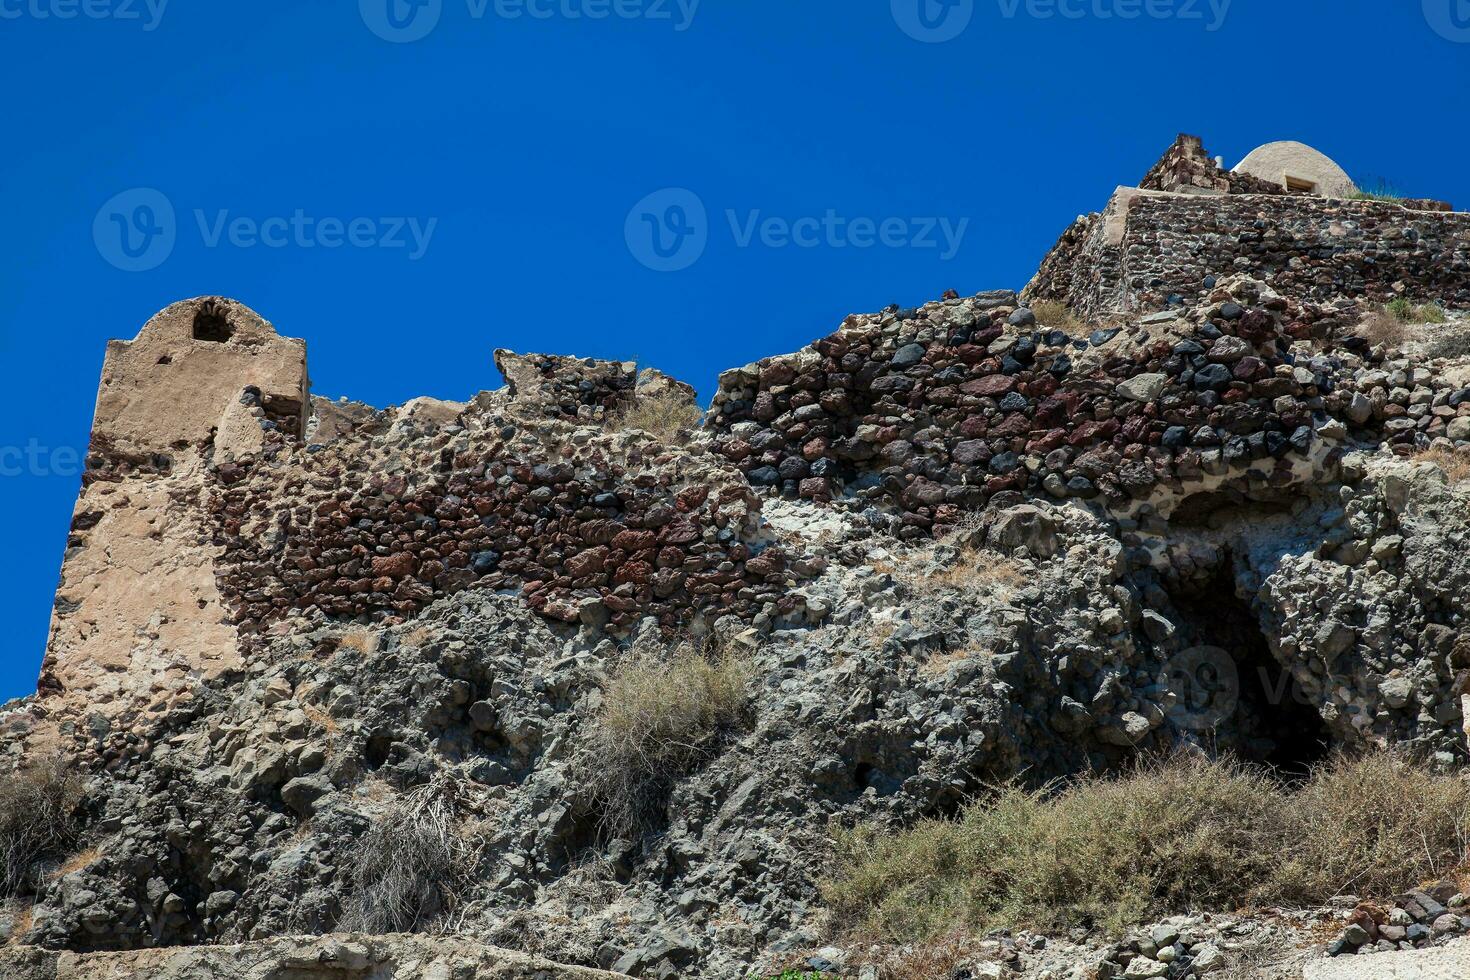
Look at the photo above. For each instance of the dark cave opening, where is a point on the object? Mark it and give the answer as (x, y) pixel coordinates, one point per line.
(1255, 709)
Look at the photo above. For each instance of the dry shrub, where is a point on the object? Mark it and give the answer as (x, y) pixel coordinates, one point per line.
(1371, 826)
(78, 861)
(412, 865)
(974, 569)
(1056, 316)
(1381, 327)
(941, 956)
(667, 416)
(39, 821)
(1166, 838)
(1450, 343)
(1454, 464)
(939, 662)
(660, 719)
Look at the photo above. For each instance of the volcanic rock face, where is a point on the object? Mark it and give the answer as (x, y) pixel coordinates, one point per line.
(952, 545)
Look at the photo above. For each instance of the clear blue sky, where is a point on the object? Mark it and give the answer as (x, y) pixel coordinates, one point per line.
(521, 145)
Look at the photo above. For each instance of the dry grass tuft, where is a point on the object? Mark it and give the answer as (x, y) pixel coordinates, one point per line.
(939, 662)
(973, 570)
(1166, 838)
(22, 918)
(78, 861)
(39, 821)
(412, 864)
(940, 956)
(659, 719)
(364, 642)
(668, 417)
(1056, 316)
(1454, 464)
(1380, 327)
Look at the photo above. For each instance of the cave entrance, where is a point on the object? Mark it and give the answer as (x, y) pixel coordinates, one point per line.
(1260, 713)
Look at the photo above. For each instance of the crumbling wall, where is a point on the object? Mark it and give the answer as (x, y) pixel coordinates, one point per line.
(137, 610)
(599, 528)
(1154, 249)
(942, 410)
(1187, 168)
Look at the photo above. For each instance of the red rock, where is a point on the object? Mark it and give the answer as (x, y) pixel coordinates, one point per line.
(589, 562)
(638, 572)
(394, 566)
(994, 386)
(632, 540)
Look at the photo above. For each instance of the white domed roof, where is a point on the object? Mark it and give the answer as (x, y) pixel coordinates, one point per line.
(1295, 164)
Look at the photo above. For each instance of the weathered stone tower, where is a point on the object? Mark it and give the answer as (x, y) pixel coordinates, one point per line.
(138, 613)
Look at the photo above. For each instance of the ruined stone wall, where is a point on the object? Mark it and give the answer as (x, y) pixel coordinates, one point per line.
(1187, 168)
(137, 610)
(601, 528)
(1171, 248)
(1083, 271)
(949, 408)
(220, 499)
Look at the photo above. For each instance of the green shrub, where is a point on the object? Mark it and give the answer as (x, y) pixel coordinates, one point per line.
(1404, 311)
(1166, 838)
(1400, 309)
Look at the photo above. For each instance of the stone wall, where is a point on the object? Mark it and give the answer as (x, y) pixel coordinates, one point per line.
(1187, 168)
(221, 499)
(1150, 249)
(137, 610)
(601, 528)
(962, 404)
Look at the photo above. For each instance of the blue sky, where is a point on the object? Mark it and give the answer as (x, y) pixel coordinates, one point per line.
(407, 206)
